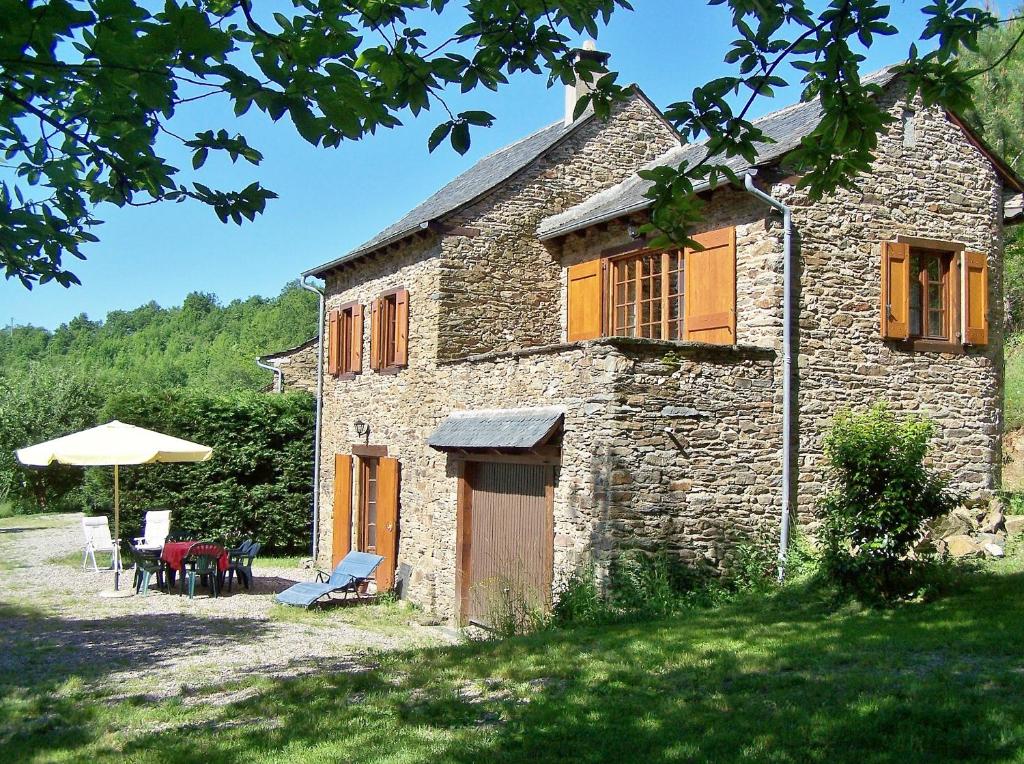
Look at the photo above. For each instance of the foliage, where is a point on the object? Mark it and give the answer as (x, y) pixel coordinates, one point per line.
(578, 600)
(40, 403)
(882, 493)
(257, 484)
(997, 112)
(755, 563)
(91, 92)
(202, 345)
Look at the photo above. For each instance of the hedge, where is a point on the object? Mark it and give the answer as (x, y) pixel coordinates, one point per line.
(258, 484)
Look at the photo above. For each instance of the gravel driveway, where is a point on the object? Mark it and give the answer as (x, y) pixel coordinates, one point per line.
(54, 627)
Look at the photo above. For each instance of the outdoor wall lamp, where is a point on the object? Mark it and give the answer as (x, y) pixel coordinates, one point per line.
(362, 428)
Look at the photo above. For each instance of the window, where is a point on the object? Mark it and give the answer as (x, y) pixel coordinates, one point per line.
(934, 293)
(345, 341)
(647, 296)
(389, 340)
(687, 294)
(368, 506)
(930, 303)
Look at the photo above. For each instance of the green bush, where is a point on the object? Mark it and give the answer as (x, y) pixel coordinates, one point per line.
(881, 495)
(755, 563)
(578, 599)
(40, 403)
(258, 483)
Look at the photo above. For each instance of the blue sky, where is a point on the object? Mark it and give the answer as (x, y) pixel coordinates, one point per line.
(333, 199)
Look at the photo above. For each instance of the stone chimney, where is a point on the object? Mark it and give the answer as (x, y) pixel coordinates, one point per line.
(574, 92)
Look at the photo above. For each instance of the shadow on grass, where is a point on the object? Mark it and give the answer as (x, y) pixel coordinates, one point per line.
(759, 680)
(48, 665)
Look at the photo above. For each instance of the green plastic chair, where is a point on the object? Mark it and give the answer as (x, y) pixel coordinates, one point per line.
(146, 565)
(202, 561)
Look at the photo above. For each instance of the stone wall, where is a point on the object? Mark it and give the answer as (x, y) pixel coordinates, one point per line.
(502, 290)
(298, 368)
(944, 188)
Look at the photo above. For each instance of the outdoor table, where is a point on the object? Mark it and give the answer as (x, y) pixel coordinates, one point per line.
(175, 551)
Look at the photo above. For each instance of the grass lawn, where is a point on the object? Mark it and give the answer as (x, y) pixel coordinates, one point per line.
(1014, 378)
(780, 679)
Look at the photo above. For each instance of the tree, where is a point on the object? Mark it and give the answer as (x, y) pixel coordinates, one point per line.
(39, 404)
(998, 109)
(89, 92)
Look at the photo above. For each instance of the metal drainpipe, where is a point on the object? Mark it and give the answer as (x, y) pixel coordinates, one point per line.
(279, 384)
(319, 405)
(787, 360)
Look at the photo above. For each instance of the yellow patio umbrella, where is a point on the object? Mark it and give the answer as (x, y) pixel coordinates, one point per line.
(114, 444)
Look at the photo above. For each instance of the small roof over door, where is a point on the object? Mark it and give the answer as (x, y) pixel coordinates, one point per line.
(497, 429)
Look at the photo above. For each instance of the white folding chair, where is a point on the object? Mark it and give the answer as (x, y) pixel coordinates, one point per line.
(97, 539)
(158, 525)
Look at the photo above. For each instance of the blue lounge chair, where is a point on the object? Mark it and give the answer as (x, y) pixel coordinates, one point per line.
(351, 573)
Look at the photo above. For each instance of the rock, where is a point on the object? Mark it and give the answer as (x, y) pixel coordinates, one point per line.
(990, 538)
(994, 522)
(1014, 524)
(959, 522)
(962, 546)
(994, 550)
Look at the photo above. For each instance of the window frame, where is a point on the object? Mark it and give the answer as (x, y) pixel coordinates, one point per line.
(609, 284)
(387, 331)
(953, 252)
(346, 340)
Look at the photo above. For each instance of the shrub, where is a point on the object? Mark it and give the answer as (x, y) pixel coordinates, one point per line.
(881, 495)
(257, 484)
(755, 565)
(41, 403)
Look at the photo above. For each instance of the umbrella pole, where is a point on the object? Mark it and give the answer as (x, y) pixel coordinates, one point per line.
(117, 530)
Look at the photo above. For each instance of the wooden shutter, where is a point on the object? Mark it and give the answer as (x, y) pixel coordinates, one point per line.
(895, 290)
(376, 346)
(341, 529)
(355, 361)
(584, 301)
(402, 327)
(387, 521)
(710, 300)
(975, 298)
(333, 342)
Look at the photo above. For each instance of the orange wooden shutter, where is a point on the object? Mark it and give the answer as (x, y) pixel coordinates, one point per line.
(709, 304)
(355, 361)
(975, 298)
(376, 346)
(895, 290)
(333, 341)
(387, 521)
(584, 301)
(402, 328)
(341, 533)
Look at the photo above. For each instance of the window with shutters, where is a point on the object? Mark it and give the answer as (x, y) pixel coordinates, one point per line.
(345, 341)
(934, 297)
(677, 294)
(647, 296)
(389, 331)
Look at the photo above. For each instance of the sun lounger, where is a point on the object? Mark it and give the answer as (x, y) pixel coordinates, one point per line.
(351, 573)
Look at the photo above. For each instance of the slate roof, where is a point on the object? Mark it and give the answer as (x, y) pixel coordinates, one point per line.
(467, 187)
(787, 127)
(496, 428)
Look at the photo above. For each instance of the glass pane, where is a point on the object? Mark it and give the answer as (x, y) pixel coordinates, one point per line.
(916, 296)
(934, 271)
(935, 296)
(935, 323)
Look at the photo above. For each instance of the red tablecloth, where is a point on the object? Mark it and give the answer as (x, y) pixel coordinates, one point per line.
(174, 552)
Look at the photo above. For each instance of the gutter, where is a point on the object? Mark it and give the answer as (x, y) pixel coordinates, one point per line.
(319, 406)
(787, 361)
(279, 384)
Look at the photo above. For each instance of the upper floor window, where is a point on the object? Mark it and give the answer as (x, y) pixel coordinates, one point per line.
(934, 293)
(687, 294)
(389, 331)
(345, 340)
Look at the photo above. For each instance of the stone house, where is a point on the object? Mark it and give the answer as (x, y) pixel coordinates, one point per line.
(513, 379)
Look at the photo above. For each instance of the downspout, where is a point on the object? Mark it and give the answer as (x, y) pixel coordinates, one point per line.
(787, 361)
(319, 405)
(279, 384)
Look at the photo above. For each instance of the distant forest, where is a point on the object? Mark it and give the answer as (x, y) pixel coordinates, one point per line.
(202, 345)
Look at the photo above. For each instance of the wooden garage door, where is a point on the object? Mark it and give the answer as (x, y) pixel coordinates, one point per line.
(509, 538)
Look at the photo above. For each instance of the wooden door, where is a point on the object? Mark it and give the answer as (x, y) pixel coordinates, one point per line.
(341, 527)
(378, 515)
(508, 539)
